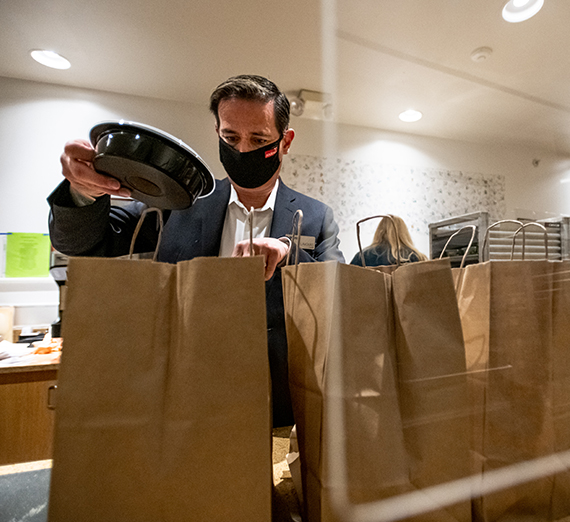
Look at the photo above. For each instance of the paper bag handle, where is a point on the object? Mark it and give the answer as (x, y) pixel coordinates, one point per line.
(388, 216)
(515, 221)
(523, 227)
(467, 227)
(251, 213)
(295, 238)
(138, 227)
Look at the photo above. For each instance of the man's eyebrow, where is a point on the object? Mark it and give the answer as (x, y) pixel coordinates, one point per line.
(261, 134)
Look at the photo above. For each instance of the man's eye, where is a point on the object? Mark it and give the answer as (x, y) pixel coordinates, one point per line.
(230, 139)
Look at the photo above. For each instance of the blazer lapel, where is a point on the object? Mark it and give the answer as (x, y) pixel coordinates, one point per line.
(213, 212)
(284, 211)
(213, 216)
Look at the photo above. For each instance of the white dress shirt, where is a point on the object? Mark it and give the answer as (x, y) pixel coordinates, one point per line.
(237, 221)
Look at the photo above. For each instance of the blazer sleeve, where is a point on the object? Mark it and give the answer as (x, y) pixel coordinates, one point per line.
(99, 229)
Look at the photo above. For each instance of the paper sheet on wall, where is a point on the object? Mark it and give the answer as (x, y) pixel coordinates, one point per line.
(27, 254)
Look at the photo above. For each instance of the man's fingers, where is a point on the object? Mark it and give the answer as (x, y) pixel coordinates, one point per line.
(240, 250)
(271, 249)
(271, 261)
(79, 149)
(77, 167)
(90, 177)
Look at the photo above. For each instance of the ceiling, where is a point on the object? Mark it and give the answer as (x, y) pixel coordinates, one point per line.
(376, 57)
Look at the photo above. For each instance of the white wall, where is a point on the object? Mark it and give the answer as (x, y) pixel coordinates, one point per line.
(544, 188)
(37, 119)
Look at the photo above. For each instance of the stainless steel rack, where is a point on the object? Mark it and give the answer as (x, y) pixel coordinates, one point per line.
(499, 243)
(441, 231)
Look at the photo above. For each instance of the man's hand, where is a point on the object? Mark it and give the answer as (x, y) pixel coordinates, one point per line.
(273, 250)
(77, 167)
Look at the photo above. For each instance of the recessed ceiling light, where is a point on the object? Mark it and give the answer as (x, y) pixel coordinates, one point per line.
(521, 10)
(410, 115)
(50, 59)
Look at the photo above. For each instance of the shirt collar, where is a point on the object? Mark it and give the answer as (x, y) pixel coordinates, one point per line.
(269, 204)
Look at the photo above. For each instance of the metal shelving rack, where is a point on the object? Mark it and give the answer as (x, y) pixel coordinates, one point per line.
(441, 231)
(499, 242)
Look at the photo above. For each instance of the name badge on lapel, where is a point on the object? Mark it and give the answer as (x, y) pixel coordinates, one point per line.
(306, 242)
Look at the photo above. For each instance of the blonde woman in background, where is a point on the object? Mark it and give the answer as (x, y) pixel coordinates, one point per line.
(384, 247)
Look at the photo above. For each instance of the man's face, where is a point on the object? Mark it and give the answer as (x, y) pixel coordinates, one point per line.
(247, 125)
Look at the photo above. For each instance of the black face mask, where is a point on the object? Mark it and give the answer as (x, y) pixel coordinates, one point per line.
(250, 169)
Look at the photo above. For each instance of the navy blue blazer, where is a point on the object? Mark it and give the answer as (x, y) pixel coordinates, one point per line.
(381, 255)
(102, 230)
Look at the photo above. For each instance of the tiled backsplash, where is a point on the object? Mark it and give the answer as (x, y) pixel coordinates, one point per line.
(420, 196)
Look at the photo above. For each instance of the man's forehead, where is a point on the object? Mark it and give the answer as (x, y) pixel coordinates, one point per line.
(246, 101)
(237, 110)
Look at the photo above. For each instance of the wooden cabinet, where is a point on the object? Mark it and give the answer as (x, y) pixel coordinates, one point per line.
(26, 421)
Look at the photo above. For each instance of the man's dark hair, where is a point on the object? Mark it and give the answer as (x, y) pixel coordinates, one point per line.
(256, 88)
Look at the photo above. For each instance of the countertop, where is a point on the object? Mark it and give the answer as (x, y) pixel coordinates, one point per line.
(30, 363)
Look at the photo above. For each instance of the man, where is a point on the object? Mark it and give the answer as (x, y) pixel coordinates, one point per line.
(252, 123)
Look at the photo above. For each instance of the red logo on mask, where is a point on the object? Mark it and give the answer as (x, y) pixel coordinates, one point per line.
(272, 152)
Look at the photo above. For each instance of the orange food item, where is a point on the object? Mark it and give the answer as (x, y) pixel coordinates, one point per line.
(48, 346)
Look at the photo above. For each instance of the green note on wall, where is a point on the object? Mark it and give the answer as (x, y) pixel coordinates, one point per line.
(27, 254)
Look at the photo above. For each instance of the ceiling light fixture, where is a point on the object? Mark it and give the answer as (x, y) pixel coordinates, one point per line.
(311, 104)
(410, 116)
(50, 59)
(521, 10)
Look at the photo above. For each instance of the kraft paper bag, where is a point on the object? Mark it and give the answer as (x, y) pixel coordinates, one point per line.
(344, 311)
(515, 323)
(432, 380)
(163, 410)
(560, 380)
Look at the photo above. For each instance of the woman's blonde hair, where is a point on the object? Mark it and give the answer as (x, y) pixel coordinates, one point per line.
(386, 233)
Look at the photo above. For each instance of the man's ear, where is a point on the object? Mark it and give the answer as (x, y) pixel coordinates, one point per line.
(287, 140)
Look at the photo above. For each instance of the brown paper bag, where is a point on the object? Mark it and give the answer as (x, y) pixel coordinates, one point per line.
(560, 379)
(337, 310)
(515, 323)
(432, 380)
(163, 394)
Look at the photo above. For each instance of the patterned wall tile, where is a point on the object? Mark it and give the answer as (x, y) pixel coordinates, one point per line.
(419, 195)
